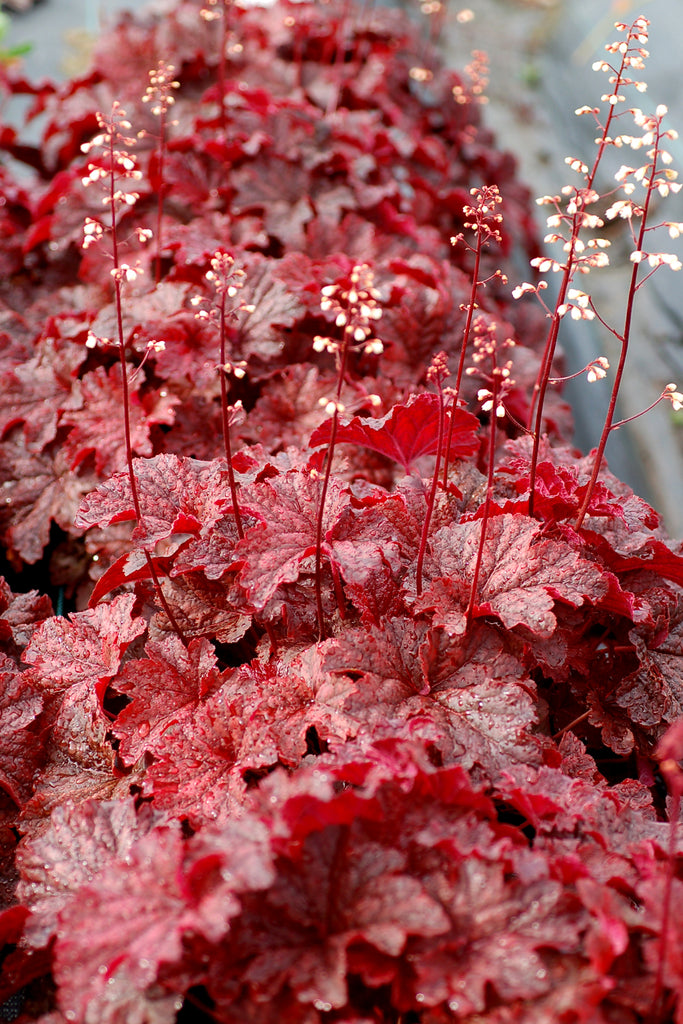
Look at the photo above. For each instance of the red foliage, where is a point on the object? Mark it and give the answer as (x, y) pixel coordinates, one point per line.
(451, 807)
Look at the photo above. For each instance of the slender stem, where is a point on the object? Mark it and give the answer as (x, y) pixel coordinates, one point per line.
(487, 505)
(637, 415)
(221, 68)
(125, 391)
(225, 414)
(348, 335)
(541, 386)
(431, 498)
(160, 195)
(319, 525)
(471, 306)
(339, 55)
(624, 338)
(566, 728)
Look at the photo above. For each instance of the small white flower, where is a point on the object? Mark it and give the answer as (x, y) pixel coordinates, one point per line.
(597, 369)
(675, 397)
(522, 289)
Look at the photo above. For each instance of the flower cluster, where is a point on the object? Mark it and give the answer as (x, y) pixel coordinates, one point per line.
(484, 218)
(213, 10)
(672, 395)
(578, 306)
(114, 141)
(498, 381)
(159, 92)
(477, 72)
(115, 161)
(355, 305)
(227, 280)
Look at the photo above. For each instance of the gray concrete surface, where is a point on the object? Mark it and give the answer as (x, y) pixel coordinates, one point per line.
(61, 34)
(58, 31)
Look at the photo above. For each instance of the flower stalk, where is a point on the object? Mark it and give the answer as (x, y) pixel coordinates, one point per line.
(159, 93)
(485, 222)
(355, 305)
(227, 281)
(118, 164)
(572, 216)
(498, 384)
(436, 374)
(656, 180)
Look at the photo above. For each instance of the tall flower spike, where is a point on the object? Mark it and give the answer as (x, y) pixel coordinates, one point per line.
(355, 305)
(658, 180)
(115, 163)
(477, 71)
(227, 281)
(498, 383)
(434, 12)
(159, 94)
(573, 220)
(484, 219)
(219, 10)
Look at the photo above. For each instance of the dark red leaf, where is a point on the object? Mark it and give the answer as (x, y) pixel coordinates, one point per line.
(20, 615)
(276, 550)
(115, 935)
(80, 762)
(78, 842)
(86, 647)
(98, 426)
(522, 573)
(37, 489)
(279, 190)
(406, 433)
(177, 496)
(164, 688)
(37, 391)
(21, 746)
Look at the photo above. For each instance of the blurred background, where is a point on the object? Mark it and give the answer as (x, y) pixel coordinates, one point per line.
(540, 55)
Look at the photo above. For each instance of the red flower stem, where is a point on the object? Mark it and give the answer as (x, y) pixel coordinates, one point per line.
(126, 394)
(541, 385)
(659, 1014)
(637, 415)
(339, 57)
(624, 338)
(348, 335)
(160, 194)
(339, 591)
(431, 498)
(577, 721)
(319, 525)
(471, 306)
(226, 425)
(487, 505)
(221, 68)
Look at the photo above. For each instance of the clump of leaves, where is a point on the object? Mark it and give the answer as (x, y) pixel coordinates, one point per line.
(368, 697)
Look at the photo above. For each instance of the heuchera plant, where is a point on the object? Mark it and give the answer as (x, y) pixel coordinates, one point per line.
(362, 701)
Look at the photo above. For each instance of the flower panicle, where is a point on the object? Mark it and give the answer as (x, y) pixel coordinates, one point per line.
(159, 92)
(355, 305)
(111, 168)
(227, 280)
